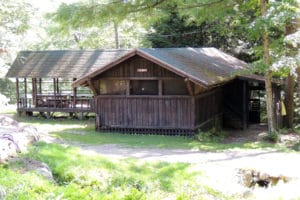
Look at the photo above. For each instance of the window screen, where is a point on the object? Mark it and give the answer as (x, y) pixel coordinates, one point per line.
(144, 87)
(113, 87)
(174, 87)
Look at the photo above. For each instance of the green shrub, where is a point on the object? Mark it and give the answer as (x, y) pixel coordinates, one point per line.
(272, 137)
(213, 135)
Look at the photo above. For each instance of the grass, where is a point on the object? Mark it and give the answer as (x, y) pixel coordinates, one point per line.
(80, 175)
(83, 131)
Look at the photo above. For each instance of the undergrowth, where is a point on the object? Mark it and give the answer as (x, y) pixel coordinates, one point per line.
(84, 175)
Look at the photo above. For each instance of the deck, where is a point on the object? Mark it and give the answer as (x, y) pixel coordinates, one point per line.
(55, 103)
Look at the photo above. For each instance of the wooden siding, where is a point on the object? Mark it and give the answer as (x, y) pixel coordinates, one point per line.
(134, 68)
(208, 106)
(174, 112)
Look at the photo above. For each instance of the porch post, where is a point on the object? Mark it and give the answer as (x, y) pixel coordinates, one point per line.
(25, 91)
(18, 94)
(54, 88)
(34, 91)
(40, 86)
(74, 94)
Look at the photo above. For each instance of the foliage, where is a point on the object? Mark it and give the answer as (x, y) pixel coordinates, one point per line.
(86, 176)
(272, 137)
(83, 131)
(97, 27)
(8, 88)
(212, 135)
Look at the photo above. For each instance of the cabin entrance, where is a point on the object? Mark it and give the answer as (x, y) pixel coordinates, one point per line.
(255, 104)
(243, 103)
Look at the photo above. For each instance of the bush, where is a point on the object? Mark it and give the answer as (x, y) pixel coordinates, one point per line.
(210, 136)
(272, 137)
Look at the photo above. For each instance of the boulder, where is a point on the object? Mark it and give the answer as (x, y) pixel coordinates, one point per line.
(14, 137)
(39, 167)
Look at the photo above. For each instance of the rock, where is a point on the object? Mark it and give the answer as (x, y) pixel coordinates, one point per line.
(39, 167)
(15, 138)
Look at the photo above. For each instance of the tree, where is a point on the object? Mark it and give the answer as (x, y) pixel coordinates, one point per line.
(92, 24)
(14, 22)
(268, 74)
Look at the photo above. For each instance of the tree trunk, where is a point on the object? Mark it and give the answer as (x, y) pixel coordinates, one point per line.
(290, 83)
(268, 75)
(289, 101)
(116, 29)
(298, 69)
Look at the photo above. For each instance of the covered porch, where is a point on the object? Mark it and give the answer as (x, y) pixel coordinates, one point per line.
(49, 95)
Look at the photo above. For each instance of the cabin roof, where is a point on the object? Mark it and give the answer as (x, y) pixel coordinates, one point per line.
(60, 63)
(205, 66)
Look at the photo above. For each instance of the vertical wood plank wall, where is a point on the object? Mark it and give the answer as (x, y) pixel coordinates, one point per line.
(207, 106)
(145, 112)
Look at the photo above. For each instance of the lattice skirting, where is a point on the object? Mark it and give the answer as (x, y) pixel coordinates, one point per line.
(148, 131)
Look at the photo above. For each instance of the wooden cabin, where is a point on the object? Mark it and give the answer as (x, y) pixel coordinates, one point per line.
(154, 91)
(44, 78)
(173, 91)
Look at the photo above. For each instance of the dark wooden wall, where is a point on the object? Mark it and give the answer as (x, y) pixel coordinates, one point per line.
(145, 112)
(131, 66)
(208, 106)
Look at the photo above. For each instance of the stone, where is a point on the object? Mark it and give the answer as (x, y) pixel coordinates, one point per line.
(14, 137)
(39, 167)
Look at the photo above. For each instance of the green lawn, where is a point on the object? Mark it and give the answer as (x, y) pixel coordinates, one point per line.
(79, 175)
(83, 131)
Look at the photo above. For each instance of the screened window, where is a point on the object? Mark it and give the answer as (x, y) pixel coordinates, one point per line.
(174, 87)
(144, 87)
(113, 87)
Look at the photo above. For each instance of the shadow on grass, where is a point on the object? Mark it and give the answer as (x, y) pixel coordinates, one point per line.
(83, 131)
(69, 165)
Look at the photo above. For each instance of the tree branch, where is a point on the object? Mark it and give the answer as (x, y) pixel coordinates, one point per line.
(158, 2)
(188, 6)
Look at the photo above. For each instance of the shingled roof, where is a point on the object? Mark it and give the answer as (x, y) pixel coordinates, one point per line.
(205, 66)
(61, 63)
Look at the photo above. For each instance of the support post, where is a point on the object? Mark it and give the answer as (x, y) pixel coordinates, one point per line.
(34, 91)
(245, 106)
(54, 88)
(25, 91)
(189, 87)
(18, 94)
(40, 86)
(74, 94)
(92, 87)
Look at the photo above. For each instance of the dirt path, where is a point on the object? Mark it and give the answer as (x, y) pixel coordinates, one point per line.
(277, 162)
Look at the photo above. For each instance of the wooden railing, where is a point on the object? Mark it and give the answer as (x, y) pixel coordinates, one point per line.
(60, 101)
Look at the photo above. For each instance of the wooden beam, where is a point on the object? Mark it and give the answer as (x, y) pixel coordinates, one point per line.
(189, 87)
(34, 90)
(18, 93)
(40, 86)
(74, 94)
(141, 78)
(92, 87)
(54, 88)
(25, 91)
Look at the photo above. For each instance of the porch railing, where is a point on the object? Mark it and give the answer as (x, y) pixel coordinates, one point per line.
(83, 102)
